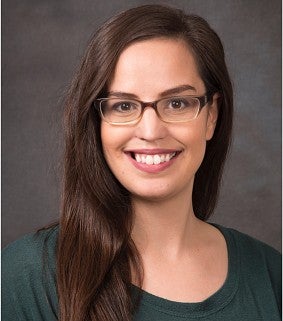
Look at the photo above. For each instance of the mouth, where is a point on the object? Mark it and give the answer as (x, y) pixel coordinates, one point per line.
(153, 157)
(152, 161)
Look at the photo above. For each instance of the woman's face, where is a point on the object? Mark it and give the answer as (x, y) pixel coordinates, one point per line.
(147, 69)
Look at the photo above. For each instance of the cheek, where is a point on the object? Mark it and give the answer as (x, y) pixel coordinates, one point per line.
(194, 141)
(197, 146)
(109, 136)
(113, 139)
(106, 140)
(192, 135)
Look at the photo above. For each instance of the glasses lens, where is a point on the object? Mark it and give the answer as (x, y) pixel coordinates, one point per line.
(182, 108)
(116, 110)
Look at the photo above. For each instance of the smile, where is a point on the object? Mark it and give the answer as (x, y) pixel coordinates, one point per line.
(153, 159)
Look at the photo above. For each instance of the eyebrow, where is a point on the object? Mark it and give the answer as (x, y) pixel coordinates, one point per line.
(167, 92)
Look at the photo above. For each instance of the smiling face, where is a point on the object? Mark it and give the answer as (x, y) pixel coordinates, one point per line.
(151, 158)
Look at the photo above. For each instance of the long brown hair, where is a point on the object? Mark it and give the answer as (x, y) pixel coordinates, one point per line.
(95, 254)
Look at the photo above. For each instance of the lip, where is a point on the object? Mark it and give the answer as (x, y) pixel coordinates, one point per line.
(152, 168)
(152, 151)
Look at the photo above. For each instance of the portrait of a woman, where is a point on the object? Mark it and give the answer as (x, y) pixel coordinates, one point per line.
(148, 123)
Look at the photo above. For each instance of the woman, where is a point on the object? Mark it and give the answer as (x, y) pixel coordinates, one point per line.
(148, 126)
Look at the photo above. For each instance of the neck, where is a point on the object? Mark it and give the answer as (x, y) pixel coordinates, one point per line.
(164, 228)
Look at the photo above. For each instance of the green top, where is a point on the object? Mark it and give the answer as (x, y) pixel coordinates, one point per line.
(252, 290)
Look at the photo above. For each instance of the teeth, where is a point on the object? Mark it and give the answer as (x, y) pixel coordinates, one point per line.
(149, 160)
(154, 159)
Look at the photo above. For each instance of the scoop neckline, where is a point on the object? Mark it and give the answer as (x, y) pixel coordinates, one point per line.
(213, 303)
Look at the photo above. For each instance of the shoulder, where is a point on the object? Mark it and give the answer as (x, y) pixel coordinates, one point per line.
(28, 277)
(28, 251)
(259, 256)
(254, 254)
(255, 249)
(260, 264)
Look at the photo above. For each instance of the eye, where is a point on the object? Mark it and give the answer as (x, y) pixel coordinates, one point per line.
(179, 103)
(124, 106)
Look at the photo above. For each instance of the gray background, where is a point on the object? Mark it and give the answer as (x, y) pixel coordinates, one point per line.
(42, 42)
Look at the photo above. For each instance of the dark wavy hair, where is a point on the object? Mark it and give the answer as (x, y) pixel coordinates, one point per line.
(96, 257)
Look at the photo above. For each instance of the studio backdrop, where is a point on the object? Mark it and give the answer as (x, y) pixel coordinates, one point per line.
(42, 43)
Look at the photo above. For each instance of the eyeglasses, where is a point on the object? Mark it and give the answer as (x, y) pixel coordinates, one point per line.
(124, 111)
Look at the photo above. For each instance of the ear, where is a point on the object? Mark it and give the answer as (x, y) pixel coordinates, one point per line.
(212, 116)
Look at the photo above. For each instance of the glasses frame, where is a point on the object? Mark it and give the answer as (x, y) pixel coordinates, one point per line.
(203, 100)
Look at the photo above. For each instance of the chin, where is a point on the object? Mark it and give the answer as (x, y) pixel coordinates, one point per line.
(153, 197)
(154, 194)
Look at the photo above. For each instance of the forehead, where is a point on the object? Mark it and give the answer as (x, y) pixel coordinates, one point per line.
(151, 66)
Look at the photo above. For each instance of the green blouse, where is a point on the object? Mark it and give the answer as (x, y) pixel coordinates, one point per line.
(252, 290)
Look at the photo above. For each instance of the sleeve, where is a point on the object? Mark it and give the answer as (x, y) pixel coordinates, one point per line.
(28, 293)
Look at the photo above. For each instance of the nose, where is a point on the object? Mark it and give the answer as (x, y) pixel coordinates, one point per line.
(150, 127)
